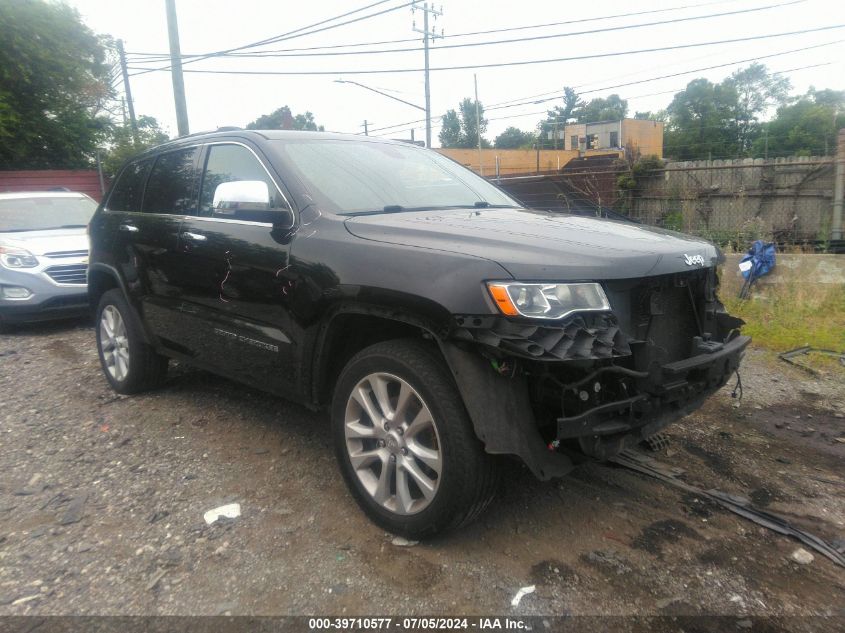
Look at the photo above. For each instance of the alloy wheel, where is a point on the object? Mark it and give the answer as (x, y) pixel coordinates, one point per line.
(114, 343)
(393, 444)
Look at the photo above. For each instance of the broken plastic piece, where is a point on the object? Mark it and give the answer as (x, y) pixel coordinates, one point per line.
(230, 511)
(524, 591)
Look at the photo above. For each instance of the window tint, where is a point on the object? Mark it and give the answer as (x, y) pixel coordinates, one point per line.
(126, 195)
(171, 185)
(227, 163)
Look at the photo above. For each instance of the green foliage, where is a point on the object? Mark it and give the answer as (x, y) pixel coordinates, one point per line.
(702, 121)
(54, 84)
(783, 316)
(756, 91)
(722, 120)
(648, 115)
(674, 221)
(631, 181)
(283, 119)
(806, 127)
(514, 138)
(612, 108)
(461, 128)
(122, 145)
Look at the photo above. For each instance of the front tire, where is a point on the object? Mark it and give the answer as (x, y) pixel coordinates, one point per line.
(405, 444)
(129, 364)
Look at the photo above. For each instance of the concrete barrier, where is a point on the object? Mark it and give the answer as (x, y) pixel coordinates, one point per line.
(789, 268)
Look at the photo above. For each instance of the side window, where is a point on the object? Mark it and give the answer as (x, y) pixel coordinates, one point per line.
(127, 193)
(170, 188)
(226, 163)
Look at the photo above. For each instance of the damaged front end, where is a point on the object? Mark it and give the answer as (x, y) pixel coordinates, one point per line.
(595, 382)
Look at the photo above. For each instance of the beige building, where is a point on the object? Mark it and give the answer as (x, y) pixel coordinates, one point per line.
(647, 136)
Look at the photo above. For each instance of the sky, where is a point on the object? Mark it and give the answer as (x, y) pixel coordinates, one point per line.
(216, 100)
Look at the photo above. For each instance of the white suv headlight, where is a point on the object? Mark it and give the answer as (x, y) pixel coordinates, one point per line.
(547, 301)
(12, 257)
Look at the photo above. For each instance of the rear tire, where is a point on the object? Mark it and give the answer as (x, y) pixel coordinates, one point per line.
(405, 444)
(129, 364)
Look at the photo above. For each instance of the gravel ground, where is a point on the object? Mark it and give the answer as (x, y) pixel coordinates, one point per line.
(102, 500)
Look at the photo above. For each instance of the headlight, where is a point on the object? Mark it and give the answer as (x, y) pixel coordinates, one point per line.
(17, 258)
(547, 301)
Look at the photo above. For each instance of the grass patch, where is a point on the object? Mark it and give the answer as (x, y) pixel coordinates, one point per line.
(784, 316)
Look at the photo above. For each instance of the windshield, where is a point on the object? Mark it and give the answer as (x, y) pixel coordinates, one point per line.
(353, 177)
(41, 213)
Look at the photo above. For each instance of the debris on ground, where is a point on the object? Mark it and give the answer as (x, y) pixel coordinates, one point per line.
(230, 511)
(75, 509)
(790, 355)
(524, 591)
(734, 503)
(401, 541)
(802, 556)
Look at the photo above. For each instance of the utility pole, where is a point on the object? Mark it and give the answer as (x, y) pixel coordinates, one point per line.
(366, 129)
(836, 228)
(478, 126)
(128, 91)
(427, 35)
(176, 69)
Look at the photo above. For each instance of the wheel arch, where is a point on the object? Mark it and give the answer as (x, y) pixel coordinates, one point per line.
(351, 328)
(101, 279)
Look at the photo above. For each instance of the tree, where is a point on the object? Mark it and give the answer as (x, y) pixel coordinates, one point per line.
(54, 85)
(558, 116)
(702, 121)
(283, 119)
(757, 90)
(450, 130)
(612, 108)
(121, 144)
(806, 127)
(648, 115)
(514, 138)
(461, 129)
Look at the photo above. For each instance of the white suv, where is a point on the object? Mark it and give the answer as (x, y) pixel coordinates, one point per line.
(43, 255)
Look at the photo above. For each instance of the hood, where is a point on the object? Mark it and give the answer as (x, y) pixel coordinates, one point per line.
(51, 241)
(538, 245)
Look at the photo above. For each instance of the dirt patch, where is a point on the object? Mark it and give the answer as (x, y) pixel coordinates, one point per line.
(111, 521)
(654, 537)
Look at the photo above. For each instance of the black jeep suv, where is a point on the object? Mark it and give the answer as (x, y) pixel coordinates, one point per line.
(440, 322)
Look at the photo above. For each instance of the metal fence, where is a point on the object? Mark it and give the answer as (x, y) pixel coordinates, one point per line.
(787, 200)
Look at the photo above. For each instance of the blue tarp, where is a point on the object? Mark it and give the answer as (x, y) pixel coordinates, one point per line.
(758, 262)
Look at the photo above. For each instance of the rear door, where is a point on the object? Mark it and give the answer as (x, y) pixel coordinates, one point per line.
(169, 196)
(148, 236)
(235, 278)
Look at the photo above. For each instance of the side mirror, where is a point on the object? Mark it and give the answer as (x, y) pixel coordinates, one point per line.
(248, 200)
(241, 195)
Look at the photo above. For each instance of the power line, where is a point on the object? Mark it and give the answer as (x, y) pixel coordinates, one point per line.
(559, 95)
(669, 76)
(454, 35)
(515, 63)
(295, 33)
(266, 54)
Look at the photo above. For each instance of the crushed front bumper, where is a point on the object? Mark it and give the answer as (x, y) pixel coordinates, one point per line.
(657, 398)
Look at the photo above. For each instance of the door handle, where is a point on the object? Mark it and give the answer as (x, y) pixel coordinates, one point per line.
(194, 237)
(128, 228)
